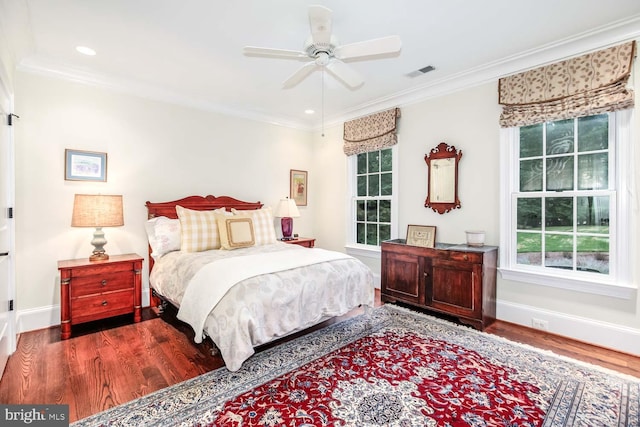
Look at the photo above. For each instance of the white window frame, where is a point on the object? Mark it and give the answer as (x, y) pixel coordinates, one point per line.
(357, 249)
(618, 283)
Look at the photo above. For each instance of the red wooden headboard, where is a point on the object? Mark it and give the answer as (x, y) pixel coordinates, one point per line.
(197, 203)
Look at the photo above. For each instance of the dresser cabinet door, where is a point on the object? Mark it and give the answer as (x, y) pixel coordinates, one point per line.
(403, 277)
(456, 288)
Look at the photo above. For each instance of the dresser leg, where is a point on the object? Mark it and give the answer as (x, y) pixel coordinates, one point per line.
(65, 328)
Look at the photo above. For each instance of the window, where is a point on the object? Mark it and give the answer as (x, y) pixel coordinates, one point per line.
(372, 216)
(566, 217)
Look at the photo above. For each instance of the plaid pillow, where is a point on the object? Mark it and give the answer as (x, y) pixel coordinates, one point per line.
(199, 229)
(263, 229)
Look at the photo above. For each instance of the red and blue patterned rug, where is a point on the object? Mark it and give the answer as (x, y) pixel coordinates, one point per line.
(393, 367)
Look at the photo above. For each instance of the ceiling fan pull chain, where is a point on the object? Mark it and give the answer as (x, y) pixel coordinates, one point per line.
(322, 106)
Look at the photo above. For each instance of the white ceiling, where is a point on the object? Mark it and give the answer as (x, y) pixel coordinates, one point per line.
(190, 51)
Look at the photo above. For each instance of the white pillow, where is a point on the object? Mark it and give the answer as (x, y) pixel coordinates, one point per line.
(263, 228)
(199, 229)
(164, 235)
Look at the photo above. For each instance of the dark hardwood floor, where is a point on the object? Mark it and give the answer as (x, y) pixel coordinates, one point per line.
(111, 362)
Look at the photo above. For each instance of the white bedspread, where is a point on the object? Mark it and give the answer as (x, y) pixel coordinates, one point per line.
(213, 281)
(262, 308)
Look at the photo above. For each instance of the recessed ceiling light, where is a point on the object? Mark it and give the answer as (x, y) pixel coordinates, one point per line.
(309, 111)
(86, 50)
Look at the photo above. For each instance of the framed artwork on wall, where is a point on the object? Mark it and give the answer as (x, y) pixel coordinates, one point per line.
(85, 165)
(298, 187)
(421, 235)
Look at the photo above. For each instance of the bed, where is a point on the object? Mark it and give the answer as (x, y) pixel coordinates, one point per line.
(252, 289)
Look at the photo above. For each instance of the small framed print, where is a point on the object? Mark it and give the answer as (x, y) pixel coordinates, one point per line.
(421, 235)
(298, 184)
(85, 166)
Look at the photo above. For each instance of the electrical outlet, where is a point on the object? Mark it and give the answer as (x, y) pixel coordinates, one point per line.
(540, 324)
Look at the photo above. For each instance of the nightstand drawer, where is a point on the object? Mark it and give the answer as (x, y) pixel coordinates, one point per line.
(90, 285)
(100, 269)
(101, 306)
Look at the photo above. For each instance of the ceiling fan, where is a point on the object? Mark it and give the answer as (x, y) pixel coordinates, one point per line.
(322, 51)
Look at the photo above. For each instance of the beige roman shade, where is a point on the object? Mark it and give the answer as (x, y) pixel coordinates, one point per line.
(589, 84)
(371, 132)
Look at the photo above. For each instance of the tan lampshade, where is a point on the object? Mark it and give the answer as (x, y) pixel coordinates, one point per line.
(97, 210)
(287, 209)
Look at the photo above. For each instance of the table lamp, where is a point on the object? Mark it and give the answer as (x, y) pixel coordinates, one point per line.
(287, 210)
(97, 210)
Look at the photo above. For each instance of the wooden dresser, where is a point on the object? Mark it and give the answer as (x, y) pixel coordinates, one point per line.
(456, 280)
(99, 289)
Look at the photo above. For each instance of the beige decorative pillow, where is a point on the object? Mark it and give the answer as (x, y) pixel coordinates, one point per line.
(263, 228)
(235, 232)
(199, 229)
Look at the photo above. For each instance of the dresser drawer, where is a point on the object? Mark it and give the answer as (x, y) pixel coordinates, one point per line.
(98, 270)
(99, 283)
(472, 257)
(100, 306)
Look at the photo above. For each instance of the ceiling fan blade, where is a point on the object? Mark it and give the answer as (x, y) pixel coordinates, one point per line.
(320, 23)
(299, 75)
(280, 53)
(390, 44)
(345, 73)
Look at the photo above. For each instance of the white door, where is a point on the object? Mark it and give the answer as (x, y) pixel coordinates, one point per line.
(7, 288)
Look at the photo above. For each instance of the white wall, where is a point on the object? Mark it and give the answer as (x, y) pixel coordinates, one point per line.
(156, 152)
(469, 120)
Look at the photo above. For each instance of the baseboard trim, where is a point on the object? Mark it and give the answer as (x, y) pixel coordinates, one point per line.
(603, 334)
(33, 319)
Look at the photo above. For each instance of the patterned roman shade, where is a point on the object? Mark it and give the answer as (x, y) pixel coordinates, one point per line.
(371, 132)
(589, 84)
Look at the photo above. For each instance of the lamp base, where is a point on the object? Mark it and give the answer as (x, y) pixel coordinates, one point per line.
(97, 256)
(287, 227)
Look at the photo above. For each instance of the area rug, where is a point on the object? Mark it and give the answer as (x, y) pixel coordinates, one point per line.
(392, 367)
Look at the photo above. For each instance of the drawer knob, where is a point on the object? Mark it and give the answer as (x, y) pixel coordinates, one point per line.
(104, 282)
(426, 274)
(104, 303)
(466, 257)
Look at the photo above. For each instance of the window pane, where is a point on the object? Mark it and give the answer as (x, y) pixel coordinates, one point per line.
(593, 254)
(560, 137)
(362, 185)
(531, 175)
(372, 234)
(374, 161)
(385, 232)
(385, 211)
(386, 160)
(385, 184)
(529, 214)
(593, 171)
(529, 248)
(558, 251)
(372, 211)
(593, 133)
(360, 238)
(531, 141)
(559, 214)
(560, 173)
(360, 210)
(374, 185)
(593, 214)
(362, 163)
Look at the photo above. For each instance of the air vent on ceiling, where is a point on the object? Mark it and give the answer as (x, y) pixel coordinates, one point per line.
(421, 71)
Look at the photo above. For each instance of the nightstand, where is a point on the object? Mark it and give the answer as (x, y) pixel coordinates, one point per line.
(307, 242)
(99, 289)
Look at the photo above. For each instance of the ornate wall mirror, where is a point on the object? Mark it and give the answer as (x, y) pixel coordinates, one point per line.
(442, 181)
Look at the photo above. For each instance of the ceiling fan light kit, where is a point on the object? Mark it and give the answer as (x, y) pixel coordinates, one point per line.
(323, 51)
